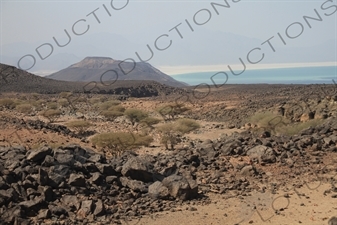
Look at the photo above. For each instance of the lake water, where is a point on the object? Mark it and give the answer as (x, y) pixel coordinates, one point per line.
(303, 75)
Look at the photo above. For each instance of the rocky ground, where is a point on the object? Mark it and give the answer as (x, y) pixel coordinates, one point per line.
(230, 171)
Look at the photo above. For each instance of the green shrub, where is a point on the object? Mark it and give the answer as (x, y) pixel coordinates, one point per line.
(135, 115)
(120, 141)
(51, 115)
(24, 108)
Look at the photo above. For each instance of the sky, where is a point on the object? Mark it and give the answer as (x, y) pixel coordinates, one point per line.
(141, 22)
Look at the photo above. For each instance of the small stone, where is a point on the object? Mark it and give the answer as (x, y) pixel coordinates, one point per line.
(192, 209)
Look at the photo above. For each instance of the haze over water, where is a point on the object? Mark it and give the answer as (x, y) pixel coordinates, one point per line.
(301, 75)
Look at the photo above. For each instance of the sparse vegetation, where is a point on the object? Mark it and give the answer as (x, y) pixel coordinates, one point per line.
(279, 125)
(118, 142)
(39, 104)
(117, 108)
(65, 94)
(80, 125)
(7, 103)
(94, 101)
(135, 115)
(51, 114)
(172, 110)
(168, 135)
(52, 105)
(107, 105)
(185, 126)
(111, 114)
(150, 121)
(63, 102)
(296, 128)
(170, 132)
(24, 108)
(113, 111)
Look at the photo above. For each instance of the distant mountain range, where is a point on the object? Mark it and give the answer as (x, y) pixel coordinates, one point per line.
(108, 70)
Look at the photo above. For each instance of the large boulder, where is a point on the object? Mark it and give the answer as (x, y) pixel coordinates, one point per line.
(57, 174)
(158, 190)
(87, 208)
(134, 185)
(138, 169)
(262, 153)
(181, 187)
(39, 155)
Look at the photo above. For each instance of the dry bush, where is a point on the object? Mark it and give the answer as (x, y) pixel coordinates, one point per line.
(7, 103)
(39, 104)
(51, 114)
(65, 94)
(117, 108)
(63, 102)
(35, 96)
(79, 125)
(172, 110)
(267, 121)
(113, 112)
(170, 132)
(81, 99)
(295, 128)
(94, 101)
(185, 126)
(107, 105)
(279, 125)
(168, 135)
(24, 108)
(111, 115)
(52, 105)
(135, 115)
(150, 121)
(120, 141)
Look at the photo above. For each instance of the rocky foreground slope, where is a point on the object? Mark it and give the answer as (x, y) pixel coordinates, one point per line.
(74, 185)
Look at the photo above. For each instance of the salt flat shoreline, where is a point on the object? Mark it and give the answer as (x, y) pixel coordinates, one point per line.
(178, 70)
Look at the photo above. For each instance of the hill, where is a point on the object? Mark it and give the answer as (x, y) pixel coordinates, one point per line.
(95, 69)
(13, 79)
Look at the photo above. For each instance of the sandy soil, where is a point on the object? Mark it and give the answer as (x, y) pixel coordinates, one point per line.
(294, 206)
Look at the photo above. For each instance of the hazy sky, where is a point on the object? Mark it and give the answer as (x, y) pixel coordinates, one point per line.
(31, 21)
(142, 22)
